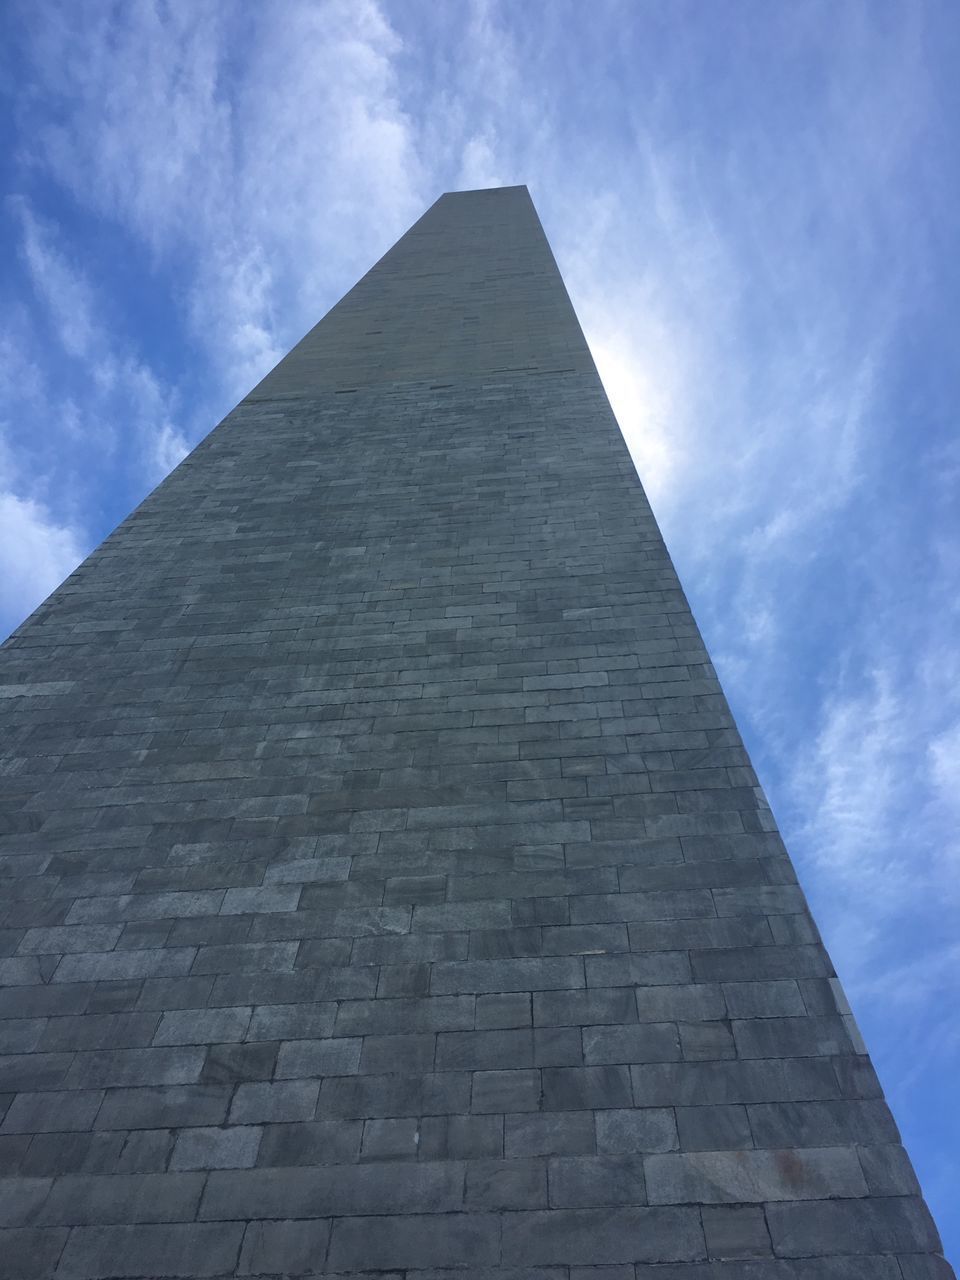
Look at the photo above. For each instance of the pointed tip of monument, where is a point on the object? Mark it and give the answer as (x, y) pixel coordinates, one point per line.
(485, 191)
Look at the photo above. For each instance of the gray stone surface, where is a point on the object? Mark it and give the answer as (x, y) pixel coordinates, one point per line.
(387, 888)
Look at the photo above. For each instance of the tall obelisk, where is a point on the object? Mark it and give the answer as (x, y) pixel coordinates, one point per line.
(389, 890)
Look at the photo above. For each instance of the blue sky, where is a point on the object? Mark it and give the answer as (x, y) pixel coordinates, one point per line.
(754, 207)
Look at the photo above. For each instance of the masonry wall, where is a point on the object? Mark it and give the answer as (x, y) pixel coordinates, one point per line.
(387, 886)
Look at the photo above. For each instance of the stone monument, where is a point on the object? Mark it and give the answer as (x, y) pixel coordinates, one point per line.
(387, 888)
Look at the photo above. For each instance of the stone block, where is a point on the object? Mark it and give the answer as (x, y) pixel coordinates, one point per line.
(715, 1127)
(605, 1235)
(736, 1232)
(582, 1181)
(263, 1101)
(170, 1249)
(415, 1241)
(636, 1130)
(90, 1200)
(577, 1088)
(898, 1224)
(316, 1142)
(332, 1057)
(502, 1091)
(213, 1148)
(557, 1133)
(454, 1137)
(735, 1177)
(52, 1112)
(333, 1191)
(170, 1107)
(508, 1185)
(390, 1139)
(293, 1247)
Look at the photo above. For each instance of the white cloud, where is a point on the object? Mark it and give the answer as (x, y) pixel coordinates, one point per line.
(851, 785)
(266, 156)
(873, 800)
(945, 764)
(646, 403)
(169, 450)
(126, 407)
(36, 554)
(60, 285)
(79, 413)
(480, 166)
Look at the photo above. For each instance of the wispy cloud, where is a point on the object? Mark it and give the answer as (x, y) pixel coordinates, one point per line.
(266, 159)
(126, 407)
(37, 549)
(36, 554)
(78, 404)
(869, 773)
